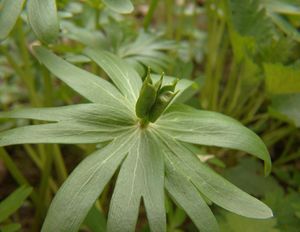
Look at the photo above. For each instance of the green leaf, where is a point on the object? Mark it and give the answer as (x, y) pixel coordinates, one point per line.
(282, 79)
(284, 209)
(122, 74)
(188, 197)
(120, 6)
(77, 195)
(212, 185)
(234, 223)
(14, 201)
(148, 50)
(291, 31)
(283, 6)
(141, 175)
(64, 132)
(10, 11)
(249, 20)
(213, 129)
(43, 19)
(286, 107)
(95, 220)
(250, 169)
(91, 112)
(88, 85)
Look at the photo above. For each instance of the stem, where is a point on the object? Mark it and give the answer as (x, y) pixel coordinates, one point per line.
(150, 13)
(28, 76)
(35, 158)
(169, 14)
(44, 185)
(16, 174)
(59, 164)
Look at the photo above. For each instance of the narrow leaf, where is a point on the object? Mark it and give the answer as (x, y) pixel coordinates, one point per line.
(213, 129)
(77, 195)
(120, 6)
(188, 197)
(153, 186)
(61, 132)
(88, 85)
(43, 19)
(10, 11)
(92, 112)
(14, 201)
(142, 174)
(122, 74)
(212, 185)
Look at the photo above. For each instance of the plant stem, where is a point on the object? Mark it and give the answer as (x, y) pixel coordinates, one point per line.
(16, 174)
(28, 76)
(169, 14)
(150, 13)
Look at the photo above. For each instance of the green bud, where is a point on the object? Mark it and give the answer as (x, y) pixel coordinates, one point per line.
(159, 83)
(146, 99)
(153, 99)
(161, 103)
(170, 87)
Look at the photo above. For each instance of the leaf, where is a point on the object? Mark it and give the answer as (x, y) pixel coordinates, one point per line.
(10, 11)
(148, 50)
(120, 6)
(282, 6)
(88, 85)
(123, 75)
(64, 132)
(249, 20)
(249, 169)
(42, 16)
(291, 31)
(213, 186)
(283, 206)
(14, 201)
(234, 223)
(213, 129)
(95, 220)
(286, 107)
(188, 197)
(141, 175)
(77, 195)
(91, 112)
(282, 79)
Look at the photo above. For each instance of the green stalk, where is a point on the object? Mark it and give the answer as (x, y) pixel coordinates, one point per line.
(16, 174)
(28, 76)
(149, 16)
(179, 24)
(59, 164)
(48, 101)
(44, 184)
(169, 14)
(34, 156)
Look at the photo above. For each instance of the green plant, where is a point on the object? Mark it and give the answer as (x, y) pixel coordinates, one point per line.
(43, 17)
(152, 152)
(9, 205)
